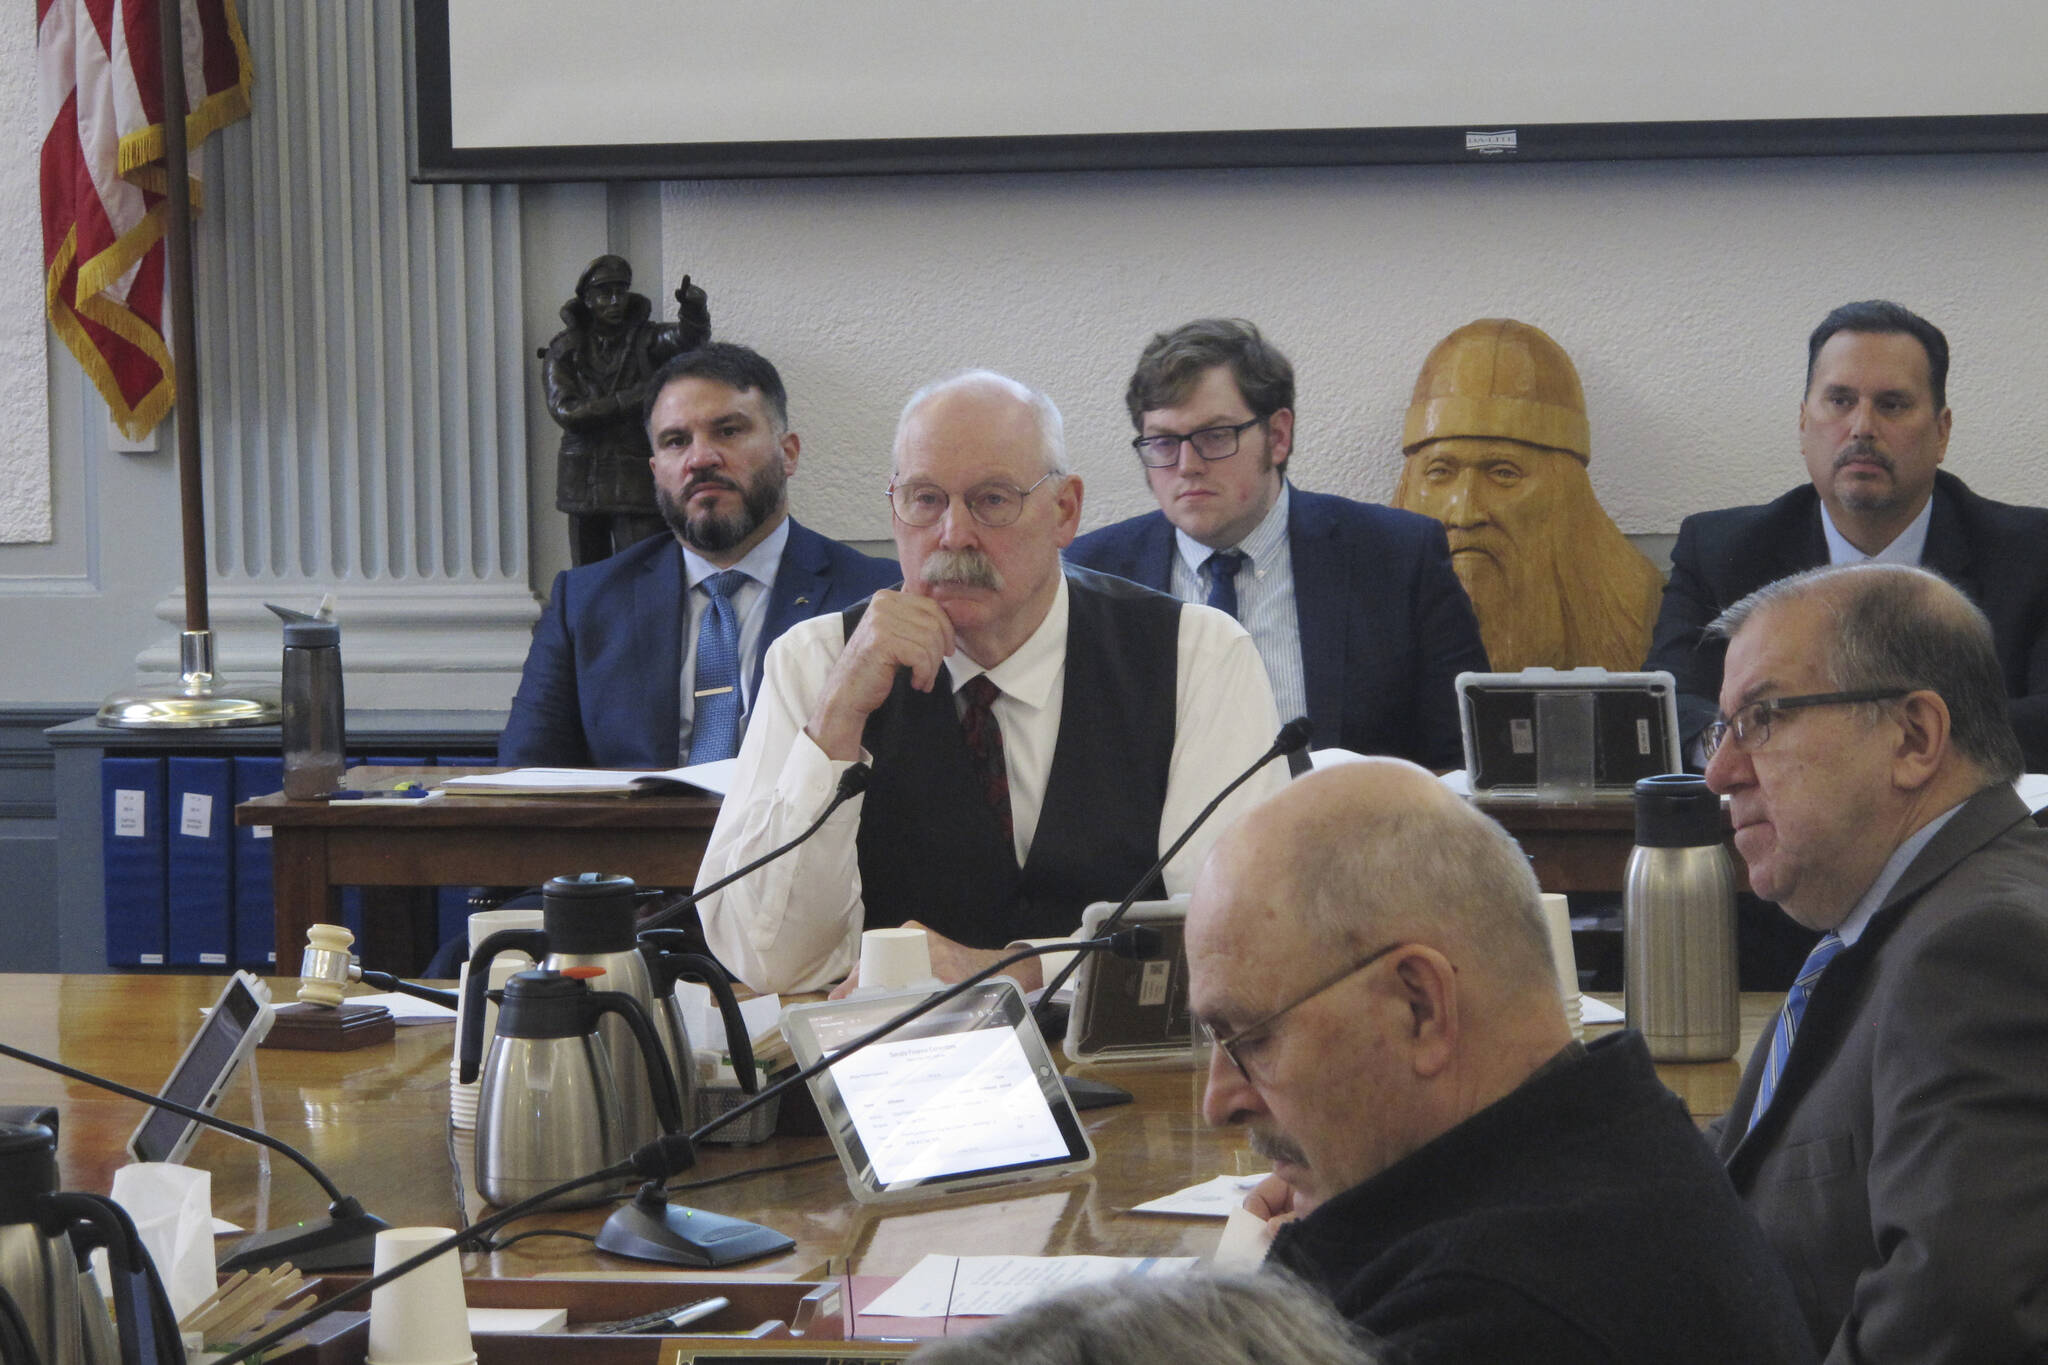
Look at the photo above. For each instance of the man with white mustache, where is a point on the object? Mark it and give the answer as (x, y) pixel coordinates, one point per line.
(1037, 734)
(1873, 429)
(1367, 956)
(652, 657)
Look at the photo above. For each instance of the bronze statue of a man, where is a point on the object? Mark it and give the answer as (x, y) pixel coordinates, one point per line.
(1497, 444)
(596, 372)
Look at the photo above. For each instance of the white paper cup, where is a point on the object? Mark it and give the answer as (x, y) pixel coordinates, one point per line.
(1557, 917)
(892, 959)
(421, 1317)
(482, 924)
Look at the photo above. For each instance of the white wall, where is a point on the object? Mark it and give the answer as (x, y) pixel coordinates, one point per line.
(1684, 292)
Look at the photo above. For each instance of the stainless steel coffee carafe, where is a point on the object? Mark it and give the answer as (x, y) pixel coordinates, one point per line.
(587, 920)
(1678, 904)
(51, 1311)
(548, 1109)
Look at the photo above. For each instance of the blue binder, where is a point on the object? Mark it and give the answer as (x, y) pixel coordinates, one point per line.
(199, 818)
(134, 854)
(255, 885)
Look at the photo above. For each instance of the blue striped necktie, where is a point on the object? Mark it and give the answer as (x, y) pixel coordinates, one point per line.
(1221, 571)
(715, 709)
(1788, 1021)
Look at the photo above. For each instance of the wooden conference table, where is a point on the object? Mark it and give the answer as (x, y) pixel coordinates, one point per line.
(322, 846)
(377, 1121)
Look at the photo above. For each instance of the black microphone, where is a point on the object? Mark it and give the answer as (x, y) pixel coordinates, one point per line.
(667, 1156)
(852, 783)
(346, 1239)
(1293, 736)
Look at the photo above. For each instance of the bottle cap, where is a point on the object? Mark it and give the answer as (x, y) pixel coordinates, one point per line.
(311, 635)
(1676, 810)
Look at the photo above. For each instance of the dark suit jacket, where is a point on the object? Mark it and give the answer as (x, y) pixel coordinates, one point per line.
(1901, 1170)
(603, 679)
(1386, 627)
(1995, 552)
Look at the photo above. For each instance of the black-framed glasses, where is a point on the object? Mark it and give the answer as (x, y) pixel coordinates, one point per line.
(1249, 1033)
(994, 505)
(1750, 726)
(1211, 443)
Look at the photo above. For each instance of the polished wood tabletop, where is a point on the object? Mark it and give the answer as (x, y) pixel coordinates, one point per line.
(377, 1121)
(321, 846)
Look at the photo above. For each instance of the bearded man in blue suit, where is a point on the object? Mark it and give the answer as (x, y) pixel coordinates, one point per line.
(1356, 612)
(652, 658)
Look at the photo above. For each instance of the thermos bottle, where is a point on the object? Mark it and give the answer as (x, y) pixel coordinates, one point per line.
(1678, 904)
(312, 709)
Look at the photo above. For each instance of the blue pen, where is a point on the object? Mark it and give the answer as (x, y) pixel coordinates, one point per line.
(397, 793)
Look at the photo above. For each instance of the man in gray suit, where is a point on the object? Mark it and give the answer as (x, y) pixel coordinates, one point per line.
(1891, 1130)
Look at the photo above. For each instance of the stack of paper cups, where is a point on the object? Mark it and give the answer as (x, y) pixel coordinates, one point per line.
(420, 1318)
(484, 923)
(1557, 917)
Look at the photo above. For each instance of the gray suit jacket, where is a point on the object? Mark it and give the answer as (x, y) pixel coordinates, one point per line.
(1901, 1171)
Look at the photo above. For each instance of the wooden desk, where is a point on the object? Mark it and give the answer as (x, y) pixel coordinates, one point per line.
(377, 1121)
(320, 846)
(1582, 848)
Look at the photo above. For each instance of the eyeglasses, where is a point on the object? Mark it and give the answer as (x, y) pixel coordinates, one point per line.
(1231, 1044)
(1211, 443)
(1750, 726)
(994, 505)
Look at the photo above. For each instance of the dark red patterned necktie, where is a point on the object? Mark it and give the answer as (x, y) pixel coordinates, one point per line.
(985, 747)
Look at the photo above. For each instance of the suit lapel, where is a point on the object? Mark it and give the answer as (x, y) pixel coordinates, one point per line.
(1319, 598)
(1948, 550)
(801, 581)
(660, 608)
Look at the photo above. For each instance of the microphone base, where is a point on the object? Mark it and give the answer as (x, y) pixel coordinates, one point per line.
(327, 1244)
(1084, 1092)
(652, 1229)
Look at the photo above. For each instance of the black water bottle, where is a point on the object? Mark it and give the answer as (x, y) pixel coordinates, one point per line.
(312, 709)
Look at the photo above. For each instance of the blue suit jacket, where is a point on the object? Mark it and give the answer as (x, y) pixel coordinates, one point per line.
(603, 679)
(1385, 625)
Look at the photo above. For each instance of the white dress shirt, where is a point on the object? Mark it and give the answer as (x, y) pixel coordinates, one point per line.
(1906, 547)
(1265, 599)
(795, 924)
(750, 600)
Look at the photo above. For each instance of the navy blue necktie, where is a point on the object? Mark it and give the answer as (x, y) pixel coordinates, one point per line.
(985, 747)
(1788, 1020)
(1221, 571)
(715, 711)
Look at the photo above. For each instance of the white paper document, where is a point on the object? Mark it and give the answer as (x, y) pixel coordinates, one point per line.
(407, 1009)
(1210, 1199)
(1593, 1011)
(979, 1286)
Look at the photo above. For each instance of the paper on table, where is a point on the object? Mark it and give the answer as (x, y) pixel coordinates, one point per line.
(1593, 1011)
(1210, 1199)
(407, 1009)
(980, 1286)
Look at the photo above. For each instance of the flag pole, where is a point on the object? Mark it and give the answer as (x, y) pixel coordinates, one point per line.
(199, 699)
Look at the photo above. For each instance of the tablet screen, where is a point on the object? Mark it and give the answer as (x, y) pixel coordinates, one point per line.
(965, 1096)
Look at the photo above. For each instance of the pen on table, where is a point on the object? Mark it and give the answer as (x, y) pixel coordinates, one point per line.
(396, 793)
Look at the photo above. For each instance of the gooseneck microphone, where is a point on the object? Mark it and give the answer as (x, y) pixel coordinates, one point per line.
(675, 1153)
(345, 1239)
(1293, 736)
(852, 783)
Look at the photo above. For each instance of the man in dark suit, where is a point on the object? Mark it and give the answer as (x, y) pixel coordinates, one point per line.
(1873, 427)
(1356, 612)
(1889, 1132)
(604, 680)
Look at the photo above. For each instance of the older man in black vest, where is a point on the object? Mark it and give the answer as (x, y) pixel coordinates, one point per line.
(1038, 735)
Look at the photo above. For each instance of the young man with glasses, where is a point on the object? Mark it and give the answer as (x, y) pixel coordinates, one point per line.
(1037, 735)
(1361, 622)
(1888, 1133)
(1367, 954)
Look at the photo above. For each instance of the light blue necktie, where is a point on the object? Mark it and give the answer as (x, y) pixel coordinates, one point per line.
(715, 711)
(1788, 1021)
(1221, 569)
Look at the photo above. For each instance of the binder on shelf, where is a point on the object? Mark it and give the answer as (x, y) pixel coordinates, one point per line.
(199, 818)
(134, 855)
(255, 878)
